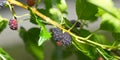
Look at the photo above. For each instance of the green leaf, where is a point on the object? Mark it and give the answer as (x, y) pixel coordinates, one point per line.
(81, 56)
(100, 12)
(110, 23)
(89, 52)
(4, 55)
(99, 39)
(68, 25)
(85, 10)
(23, 34)
(3, 24)
(33, 17)
(52, 13)
(85, 49)
(44, 34)
(116, 36)
(106, 5)
(61, 5)
(48, 4)
(84, 33)
(30, 39)
(37, 2)
(56, 15)
(106, 54)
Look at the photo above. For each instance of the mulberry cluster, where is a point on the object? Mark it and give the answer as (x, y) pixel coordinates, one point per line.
(13, 24)
(2, 3)
(77, 24)
(60, 37)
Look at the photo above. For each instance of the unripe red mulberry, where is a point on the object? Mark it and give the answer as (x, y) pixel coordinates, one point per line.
(59, 43)
(100, 58)
(31, 2)
(13, 24)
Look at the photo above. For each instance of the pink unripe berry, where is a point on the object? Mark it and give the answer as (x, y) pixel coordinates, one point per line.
(13, 24)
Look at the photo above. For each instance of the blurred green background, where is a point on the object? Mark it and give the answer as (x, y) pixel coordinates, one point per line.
(13, 44)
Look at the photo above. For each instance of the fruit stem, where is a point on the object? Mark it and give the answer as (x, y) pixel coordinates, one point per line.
(22, 15)
(12, 10)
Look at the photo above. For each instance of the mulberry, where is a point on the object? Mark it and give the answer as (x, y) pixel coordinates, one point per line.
(31, 2)
(13, 24)
(57, 34)
(77, 24)
(60, 37)
(66, 39)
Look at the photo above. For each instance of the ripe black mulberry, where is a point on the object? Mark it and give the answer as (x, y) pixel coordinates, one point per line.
(66, 39)
(77, 24)
(60, 37)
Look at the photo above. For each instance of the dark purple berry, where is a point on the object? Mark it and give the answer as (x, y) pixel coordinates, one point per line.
(77, 24)
(66, 39)
(57, 34)
(13, 24)
(2, 3)
(60, 37)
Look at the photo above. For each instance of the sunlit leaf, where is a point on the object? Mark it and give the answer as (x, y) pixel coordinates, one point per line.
(110, 23)
(44, 34)
(56, 15)
(61, 5)
(4, 55)
(106, 5)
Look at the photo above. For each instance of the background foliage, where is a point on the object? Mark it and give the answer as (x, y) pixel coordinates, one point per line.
(86, 45)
